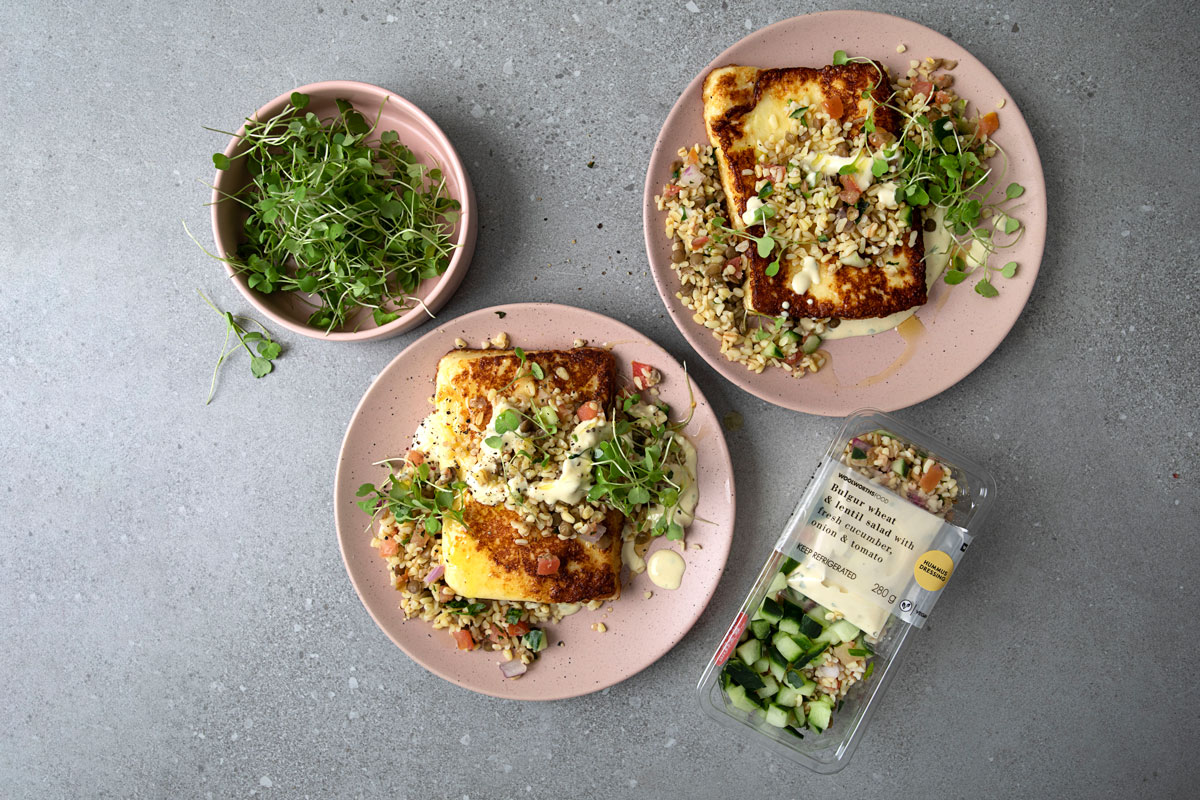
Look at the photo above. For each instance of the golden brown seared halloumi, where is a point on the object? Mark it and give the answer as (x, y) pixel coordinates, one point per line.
(482, 556)
(483, 560)
(746, 105)
(469, 380)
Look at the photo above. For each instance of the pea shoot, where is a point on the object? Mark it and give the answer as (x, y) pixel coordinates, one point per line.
(261, 362)
(350, 225)
(412, 496)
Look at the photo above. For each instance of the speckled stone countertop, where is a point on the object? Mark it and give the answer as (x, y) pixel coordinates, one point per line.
(176, 618)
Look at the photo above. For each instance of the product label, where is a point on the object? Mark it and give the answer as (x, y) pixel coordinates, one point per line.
(867, 552)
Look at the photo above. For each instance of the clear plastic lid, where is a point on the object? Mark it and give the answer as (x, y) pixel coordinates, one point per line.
(880, 529)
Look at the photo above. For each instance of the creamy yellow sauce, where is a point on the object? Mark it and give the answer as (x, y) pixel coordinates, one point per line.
(665, 569)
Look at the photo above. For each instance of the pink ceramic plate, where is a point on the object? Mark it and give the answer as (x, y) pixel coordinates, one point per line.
(430, 146)
(961, 328)
(640, 631)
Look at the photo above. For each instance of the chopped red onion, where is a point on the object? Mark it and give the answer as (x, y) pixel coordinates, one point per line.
(860, 444)
(435, 573)
(512, 669)
(594, 536)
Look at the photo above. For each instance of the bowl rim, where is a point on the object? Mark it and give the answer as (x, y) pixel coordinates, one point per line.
(445, 284)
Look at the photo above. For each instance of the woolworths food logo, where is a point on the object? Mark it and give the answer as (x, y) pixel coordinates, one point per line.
(933, 569)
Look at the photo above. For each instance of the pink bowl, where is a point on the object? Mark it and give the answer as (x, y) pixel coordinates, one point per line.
(431, 147)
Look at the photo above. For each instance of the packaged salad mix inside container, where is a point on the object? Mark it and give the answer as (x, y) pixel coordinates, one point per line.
(885, 520)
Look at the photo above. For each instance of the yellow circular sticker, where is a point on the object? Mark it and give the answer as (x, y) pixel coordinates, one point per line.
(933, 569)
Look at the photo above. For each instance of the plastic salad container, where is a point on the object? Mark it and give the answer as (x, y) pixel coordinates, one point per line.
(885, 520)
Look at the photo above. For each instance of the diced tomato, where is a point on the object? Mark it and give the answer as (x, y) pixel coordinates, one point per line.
(415, 457)
(851, 192)
(671, 190)
(796, 357)
(943, 97)
(833, 106)
(929, 480)
(644, 375)
(587, 411)
(989, 124)
(389, 547)
(700, 241)
(777, 172)
(547, 565)
(520, 629)
(463, 639)
(880, 138)
(922, 88)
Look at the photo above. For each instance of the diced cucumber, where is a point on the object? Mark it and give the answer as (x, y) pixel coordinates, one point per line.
(777, 671)
(737, 697)
(789, 697)
(810, 627)
(798, 716)
(811, 343)
(761, 628)
(778, 584)
(810, 654)
(844, 630)
(794, 679)
(791, 610)
(750, 651)
(787, 646)
(808, 689)
(789, 337)
(771, 611)
(772, 351)
(900, 467)
(744, 676)
(777, 716)
(789, 564)
(817, 615)
(819, 713)
(789, 625)
(762, 666)
(770, 688)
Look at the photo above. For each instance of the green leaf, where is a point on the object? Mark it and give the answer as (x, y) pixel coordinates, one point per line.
(1011, 225)
(840, 57)
(433, 524)
(299, 100)
(869, 123)
(638, 495)
(260, 366)
(537, 371)
(1009, 269)
(772, 269)
(674, 531)
(1014, 191)
(220, 161)
(519, 353)
(382, 317)
(765, 245)
(766, 191)
(985, 288)
(494, 442)
(508, 420)
(365, 489)
(954, 276)
(878, 167)
(269, 350)
(848, 169)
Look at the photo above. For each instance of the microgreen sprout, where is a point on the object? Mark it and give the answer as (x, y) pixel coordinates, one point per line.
(412, 496)
(350, 225)
(261, 362)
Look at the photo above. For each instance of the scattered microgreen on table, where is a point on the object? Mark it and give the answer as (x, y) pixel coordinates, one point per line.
(261, 362)
(355, 225)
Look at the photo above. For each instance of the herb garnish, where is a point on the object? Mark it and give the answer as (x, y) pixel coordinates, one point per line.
(261, 363)
(355, 225)
(412, 497)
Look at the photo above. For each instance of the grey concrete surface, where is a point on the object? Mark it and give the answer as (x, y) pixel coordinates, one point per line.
(175, 617)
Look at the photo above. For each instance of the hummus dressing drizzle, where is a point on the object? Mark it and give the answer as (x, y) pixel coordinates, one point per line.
(665, 569)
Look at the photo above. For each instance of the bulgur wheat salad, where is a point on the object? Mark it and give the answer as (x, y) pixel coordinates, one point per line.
(835, 195)
(796, 660)
(559, 465)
